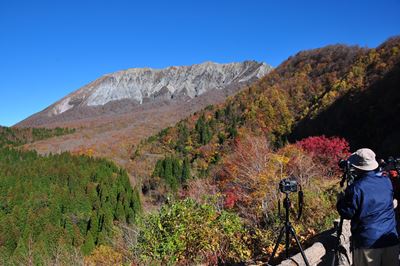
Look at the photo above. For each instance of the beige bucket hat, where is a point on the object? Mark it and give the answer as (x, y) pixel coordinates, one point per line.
(364, 159)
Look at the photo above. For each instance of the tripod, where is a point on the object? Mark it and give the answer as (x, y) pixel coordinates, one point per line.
(339, 249)
(288, 229)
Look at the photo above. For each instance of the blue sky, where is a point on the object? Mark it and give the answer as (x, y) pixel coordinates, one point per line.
(51, 48)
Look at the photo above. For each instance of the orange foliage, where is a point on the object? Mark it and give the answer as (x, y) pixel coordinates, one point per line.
(251, 174)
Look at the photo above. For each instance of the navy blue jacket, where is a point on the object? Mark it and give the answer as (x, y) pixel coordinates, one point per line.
(368, 202)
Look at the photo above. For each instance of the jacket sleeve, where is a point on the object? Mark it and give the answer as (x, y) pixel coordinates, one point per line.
(349, 204)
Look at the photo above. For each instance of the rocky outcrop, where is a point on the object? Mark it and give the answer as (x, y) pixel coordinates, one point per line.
(137, 86)
(118, 110)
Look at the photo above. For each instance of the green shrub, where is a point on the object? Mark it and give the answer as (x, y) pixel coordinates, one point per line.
(186, 232)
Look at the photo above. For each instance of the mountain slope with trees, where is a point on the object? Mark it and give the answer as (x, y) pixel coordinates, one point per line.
(121, 108)
(52, 206)
(227, 159)
(296, 100)
(367, 112)
(20, 136)
(238, 151)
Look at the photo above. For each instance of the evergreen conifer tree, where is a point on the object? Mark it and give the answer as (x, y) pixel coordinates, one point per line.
(185, 170)
(88, 245)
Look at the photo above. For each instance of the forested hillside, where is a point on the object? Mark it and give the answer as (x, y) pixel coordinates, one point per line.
(213, 175)
(333, 91)
(54, 206)
(367, 112)
(19, 136)
(275, 128)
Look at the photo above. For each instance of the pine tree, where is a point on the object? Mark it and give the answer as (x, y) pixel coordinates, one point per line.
(159, 169)
(203, 130)
(120, 212)
(200, 128)
(88, 245)
(185, 170)
(94, 225)
(168, 169)
(232, 129)
(169, 176)
(176, 168)
(183, 136)
(221, 137)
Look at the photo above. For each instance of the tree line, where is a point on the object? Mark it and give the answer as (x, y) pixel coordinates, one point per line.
(59, 201)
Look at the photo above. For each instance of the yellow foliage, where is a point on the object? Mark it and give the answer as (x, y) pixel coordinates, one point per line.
(280, 158)
(104, 255)
(395, 50)
(89, 152)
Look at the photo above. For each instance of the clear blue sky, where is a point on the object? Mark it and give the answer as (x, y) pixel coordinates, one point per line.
(51, 48)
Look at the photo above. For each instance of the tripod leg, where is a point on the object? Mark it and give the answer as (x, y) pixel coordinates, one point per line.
(287, 241)
(299, 245)
(336, 249)
(276, 245)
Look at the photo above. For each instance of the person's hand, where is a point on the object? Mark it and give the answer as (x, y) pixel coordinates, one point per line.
(339, 201)
(340, 196)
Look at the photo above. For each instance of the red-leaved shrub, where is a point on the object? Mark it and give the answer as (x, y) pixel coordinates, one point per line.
(326, 150)
(230, 199)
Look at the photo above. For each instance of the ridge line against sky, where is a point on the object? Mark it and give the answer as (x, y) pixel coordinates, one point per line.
(49, 49)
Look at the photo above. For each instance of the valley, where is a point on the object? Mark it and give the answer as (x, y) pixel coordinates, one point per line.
(197, 156)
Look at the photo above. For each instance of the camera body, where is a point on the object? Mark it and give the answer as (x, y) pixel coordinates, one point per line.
(349, 172)
(288, 185)
(344, 164)
(393, 163)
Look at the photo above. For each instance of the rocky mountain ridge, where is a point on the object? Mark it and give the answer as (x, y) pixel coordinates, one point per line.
(147, 85)
(119, 109)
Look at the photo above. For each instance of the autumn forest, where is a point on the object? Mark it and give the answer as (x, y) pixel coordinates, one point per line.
(205, 189)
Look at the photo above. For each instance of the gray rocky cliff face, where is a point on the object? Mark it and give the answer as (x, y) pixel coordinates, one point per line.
(144, 85)
(184, 89)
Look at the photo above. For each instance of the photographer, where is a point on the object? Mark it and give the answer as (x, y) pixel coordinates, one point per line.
(368, 203)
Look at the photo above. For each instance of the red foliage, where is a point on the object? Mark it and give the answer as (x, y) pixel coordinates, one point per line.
(230, 199)
(326, 151)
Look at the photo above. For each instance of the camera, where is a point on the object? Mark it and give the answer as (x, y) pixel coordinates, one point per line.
(394, 163)
(391, 167)
(349, 173)
(344, 164)
(288, 185)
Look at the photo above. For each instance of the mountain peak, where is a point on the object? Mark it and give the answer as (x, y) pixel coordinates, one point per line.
(145, 84)
(120, 90)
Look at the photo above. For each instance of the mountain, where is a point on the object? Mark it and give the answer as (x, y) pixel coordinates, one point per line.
(235, 150)
(117, 110)
(337, 90)
(239, 150)
(122, 91)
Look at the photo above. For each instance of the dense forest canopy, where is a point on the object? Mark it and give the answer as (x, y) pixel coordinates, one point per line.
(298, 120)
(337, 90)
(55, 203)
(366, 111)
(19, 136)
